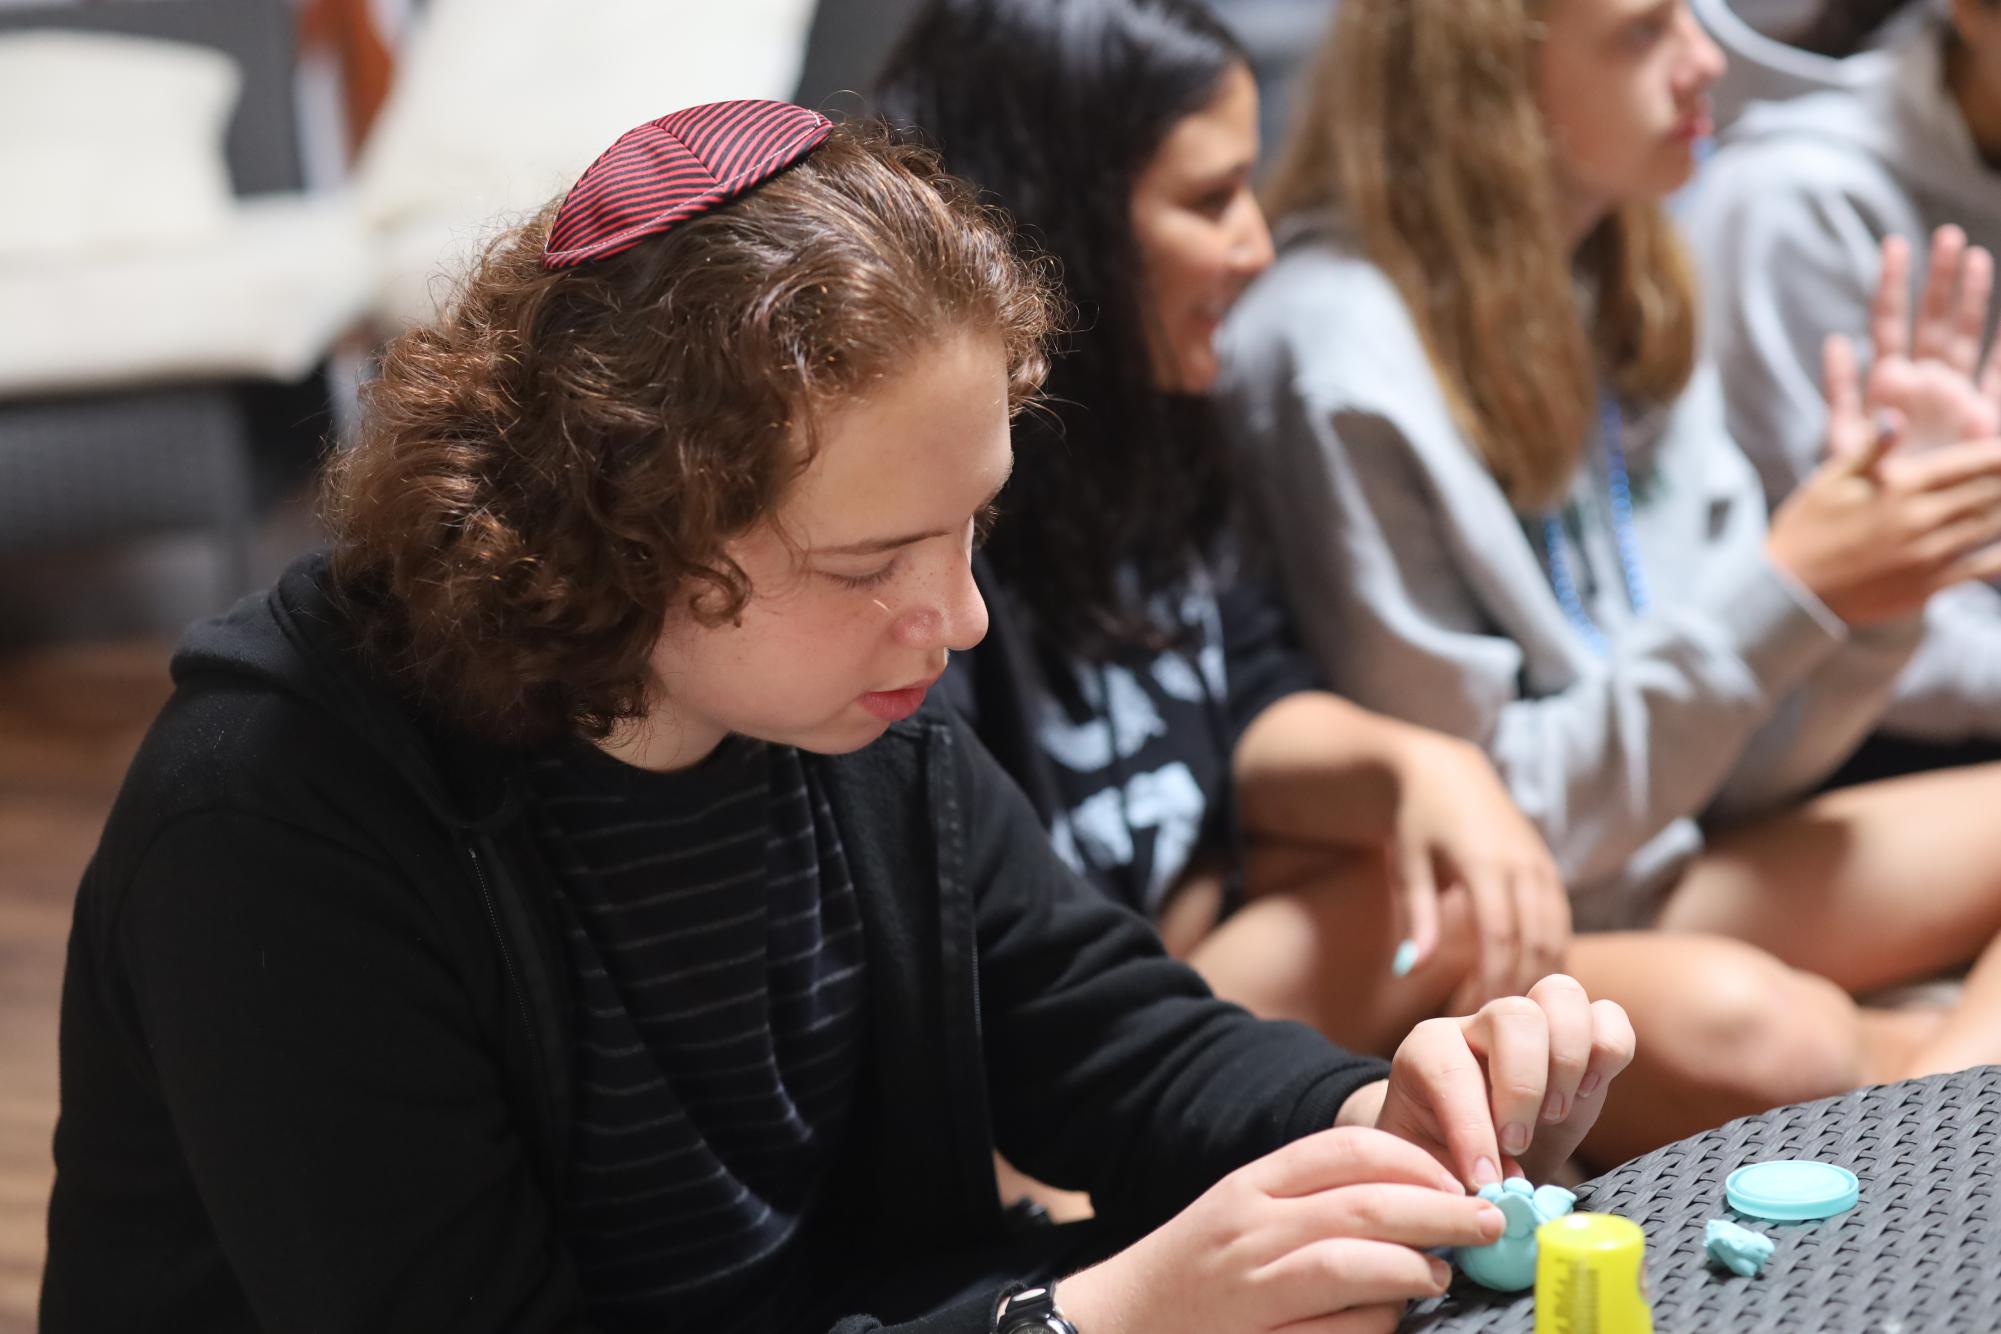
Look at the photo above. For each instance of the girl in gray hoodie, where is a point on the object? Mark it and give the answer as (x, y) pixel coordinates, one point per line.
(1508, 508)
(1788, 222)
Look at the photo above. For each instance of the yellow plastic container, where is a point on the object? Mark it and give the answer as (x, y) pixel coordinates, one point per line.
(1591, 1277)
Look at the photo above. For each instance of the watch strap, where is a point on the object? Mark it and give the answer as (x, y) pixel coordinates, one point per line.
(1031, 1310)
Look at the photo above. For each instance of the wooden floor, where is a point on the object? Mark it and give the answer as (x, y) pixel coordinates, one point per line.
(70, 719)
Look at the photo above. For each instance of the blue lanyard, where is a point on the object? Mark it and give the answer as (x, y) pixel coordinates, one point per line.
(1610, 427)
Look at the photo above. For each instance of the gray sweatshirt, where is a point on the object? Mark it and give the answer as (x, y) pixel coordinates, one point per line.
(1787, 222)
(1423, 594)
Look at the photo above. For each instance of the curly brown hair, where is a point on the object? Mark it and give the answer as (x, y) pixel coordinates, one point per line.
(559, 461)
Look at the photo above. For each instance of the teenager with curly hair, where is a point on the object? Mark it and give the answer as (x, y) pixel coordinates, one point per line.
(561, 910)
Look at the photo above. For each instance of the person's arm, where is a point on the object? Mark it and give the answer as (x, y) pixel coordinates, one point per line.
(333, 1088)
(1389, 591)
(1786, 263)
(1111, 1067)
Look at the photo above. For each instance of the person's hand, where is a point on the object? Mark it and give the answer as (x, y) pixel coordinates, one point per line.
(1877, 529)
(1926, 371)
(1909, 498)
(1457, 824)
(1324, 1236)
(1511, 1090)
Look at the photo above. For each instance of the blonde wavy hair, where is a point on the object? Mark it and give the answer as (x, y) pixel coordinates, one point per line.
(1420, 124)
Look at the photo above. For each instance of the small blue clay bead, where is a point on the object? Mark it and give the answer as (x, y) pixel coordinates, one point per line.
(1554, 1202)
(1738, 1249)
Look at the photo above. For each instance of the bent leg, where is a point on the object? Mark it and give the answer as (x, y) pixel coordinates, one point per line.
(1868, 886)
(1725, 1030)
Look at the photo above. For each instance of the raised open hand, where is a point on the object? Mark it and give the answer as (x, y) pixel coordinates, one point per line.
(1927, 371)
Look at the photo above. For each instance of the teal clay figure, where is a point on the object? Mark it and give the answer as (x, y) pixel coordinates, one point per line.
(1508, 1265)
(1738, 1249)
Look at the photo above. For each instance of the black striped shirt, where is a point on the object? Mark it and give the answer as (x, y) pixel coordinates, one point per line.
(717, 952)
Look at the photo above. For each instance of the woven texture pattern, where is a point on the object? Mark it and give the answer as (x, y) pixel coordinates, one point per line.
(1921, 1252)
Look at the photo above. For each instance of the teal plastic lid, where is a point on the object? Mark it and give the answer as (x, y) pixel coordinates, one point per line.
(1792, 1190)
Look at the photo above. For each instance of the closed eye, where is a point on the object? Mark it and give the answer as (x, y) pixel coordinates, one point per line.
(869, 580)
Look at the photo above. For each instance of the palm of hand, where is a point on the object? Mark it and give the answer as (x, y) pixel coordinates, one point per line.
(1939, 403)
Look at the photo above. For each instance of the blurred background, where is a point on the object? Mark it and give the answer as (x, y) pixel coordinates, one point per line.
(212, 213)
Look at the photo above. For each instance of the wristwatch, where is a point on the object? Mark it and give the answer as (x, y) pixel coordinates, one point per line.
(1031, 1311)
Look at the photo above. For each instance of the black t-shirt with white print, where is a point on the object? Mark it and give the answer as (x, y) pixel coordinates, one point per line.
(717, 952)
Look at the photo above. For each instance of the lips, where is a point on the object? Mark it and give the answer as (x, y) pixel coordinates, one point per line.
(892, 706)
(1698, 124)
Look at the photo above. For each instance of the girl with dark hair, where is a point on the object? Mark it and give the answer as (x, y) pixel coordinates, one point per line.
(1471, 398)
(1789, 220)
(1139, 681)
(561, 911)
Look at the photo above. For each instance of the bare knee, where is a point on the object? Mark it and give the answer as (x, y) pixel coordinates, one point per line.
(1766, 1030)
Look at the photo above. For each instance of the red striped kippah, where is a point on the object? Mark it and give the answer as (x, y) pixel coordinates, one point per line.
(675, 168)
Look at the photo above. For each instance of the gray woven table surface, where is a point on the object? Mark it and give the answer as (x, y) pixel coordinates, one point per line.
(1920, 1252)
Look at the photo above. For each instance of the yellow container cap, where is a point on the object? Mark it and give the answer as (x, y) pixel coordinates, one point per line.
(1591, 1276)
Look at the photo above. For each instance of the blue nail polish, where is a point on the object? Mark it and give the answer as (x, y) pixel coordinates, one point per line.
(1405, 960)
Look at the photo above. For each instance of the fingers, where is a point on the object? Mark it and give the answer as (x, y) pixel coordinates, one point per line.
(1983, 564)
(1849, 431)
(1512, 1035)
(1975, 498)
(1612, 1047)
(1567, 1011)
(1437, 1066)
(1546, 905)
(1348, 1156)
(1970, 535)
(1969, 325)
(1951, 465)
(1496, 924)
(1351, 1272)
(1416, 900)
(1611, 1052)
(1890, 313)
(1408, 1215)
(1933, 335)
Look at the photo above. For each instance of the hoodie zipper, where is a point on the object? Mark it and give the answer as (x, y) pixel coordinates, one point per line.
(513, 974)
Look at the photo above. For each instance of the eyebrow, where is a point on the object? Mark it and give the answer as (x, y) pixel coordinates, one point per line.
(876, 546)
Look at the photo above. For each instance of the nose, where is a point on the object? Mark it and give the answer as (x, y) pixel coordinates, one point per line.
(1706, 61)
(955, 619)
(1250, 248)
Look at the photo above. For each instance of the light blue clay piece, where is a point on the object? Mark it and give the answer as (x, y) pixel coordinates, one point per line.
(1508, 1265)
(1405, 960)
(1738, 1249)
(1554, 1201)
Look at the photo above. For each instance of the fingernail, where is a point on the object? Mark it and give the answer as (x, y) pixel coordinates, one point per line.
(1485, 1173)
(1492, 1221)
(1441, 1273)
(1554, 1110)
(1588, 1085)
(1405, 960)
(1514, 1138)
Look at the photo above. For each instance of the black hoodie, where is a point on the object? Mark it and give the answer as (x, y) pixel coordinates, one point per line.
(315, 1032)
